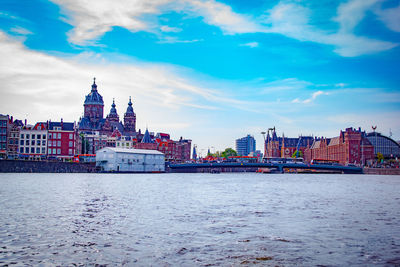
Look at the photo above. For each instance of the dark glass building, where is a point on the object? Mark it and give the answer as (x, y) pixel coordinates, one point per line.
(383, 144)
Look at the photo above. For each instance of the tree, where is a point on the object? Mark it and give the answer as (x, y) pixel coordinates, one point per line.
(229, 152)
(380, 157)
(297, 154)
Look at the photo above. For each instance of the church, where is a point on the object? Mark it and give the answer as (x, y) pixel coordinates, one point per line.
(93, 118)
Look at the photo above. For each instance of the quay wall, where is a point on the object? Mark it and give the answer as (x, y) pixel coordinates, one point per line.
(382, 171)
(45, 166)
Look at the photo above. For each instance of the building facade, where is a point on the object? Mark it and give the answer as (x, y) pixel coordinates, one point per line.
(33, 141)
(285, 147)
(130, 160)
(4, 126)
(61, 140)
(245, 145)
(384, 145)
(350, 147)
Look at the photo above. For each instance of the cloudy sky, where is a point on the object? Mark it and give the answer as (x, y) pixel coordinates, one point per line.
(207, 70)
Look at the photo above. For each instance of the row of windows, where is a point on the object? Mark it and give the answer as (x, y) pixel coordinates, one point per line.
(3, 123)
(34, 136)
(3, 138)
(57, 151)
(32, 150)
(32, 142)
(58, 136)
(3, 131)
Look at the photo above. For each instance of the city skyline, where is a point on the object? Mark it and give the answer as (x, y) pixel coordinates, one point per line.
(210, 71)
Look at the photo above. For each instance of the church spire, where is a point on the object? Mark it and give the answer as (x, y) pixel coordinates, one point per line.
(94, 85)
(129, 110)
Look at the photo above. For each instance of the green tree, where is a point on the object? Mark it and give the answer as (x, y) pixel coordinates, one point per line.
(229, 152)
(380, 157)
(297, 154)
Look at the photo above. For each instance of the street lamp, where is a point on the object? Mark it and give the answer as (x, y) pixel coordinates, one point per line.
(265, 147)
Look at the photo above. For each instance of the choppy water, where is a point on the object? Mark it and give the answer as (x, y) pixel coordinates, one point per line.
(199, 219)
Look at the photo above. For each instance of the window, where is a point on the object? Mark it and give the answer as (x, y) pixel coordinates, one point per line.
(44, 136)
(49, 151)
(22, 136)
(33, 136)
(33, 142)
(32, 150)
(38, 150)
(58, 151)
(54, 143)
(70, 136)
(43, 142)
(49, 135)
(21, 150)
(58, 143)
(27, 136)
(27, 142)
(59, 135)
(69, 151)
(43, 150)
(39, 136)
(21, 142)
(54, 151)
(70, 143)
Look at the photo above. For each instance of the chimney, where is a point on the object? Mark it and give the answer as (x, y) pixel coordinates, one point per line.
(25, 122)
(61, 123)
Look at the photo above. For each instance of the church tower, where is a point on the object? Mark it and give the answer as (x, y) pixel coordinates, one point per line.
(111, 121)
(93, 110)
(130, 119)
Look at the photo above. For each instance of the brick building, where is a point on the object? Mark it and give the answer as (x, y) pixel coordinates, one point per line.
(350, 147)
(61, 140)
(4, 126)
(284, 147)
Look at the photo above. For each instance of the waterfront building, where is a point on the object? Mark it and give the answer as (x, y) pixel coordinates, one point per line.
(13, 138)
(245, 145)
(4, 128)
(61, 140)
(284, 147)
(350, 147)
(33, 141)
(130, 160)
(147, 142)
(384, 145)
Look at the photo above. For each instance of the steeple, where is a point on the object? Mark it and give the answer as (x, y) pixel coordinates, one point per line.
(130, 119)
(129, 110)
(94, 85)
(146, 138)
(113, 110)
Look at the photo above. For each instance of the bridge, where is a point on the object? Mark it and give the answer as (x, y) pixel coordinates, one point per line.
(278, 167)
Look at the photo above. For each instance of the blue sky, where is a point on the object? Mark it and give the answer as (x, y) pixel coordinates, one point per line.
(212, 71)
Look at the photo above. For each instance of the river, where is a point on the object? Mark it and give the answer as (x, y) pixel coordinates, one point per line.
(226, 219)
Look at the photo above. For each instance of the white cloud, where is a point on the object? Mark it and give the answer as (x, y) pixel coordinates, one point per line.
(92, 19)
(311, 99)
(166, 28)
(391, 17)
(292, 20)
(20, 30)
(251, 44)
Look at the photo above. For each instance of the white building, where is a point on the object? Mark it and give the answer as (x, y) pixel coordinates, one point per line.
(33, 141)
(130, 160)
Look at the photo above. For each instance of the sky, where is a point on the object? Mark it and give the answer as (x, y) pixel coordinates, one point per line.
(210, 71)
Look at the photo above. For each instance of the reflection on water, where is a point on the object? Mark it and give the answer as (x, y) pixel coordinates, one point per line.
(199, 219)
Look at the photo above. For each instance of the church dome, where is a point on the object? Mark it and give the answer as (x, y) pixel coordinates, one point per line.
(94, 98)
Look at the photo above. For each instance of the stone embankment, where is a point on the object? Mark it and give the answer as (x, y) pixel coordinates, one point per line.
(382, 171)
(45, 166)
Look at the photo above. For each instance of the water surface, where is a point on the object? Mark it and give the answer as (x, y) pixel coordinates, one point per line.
(199, 219)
